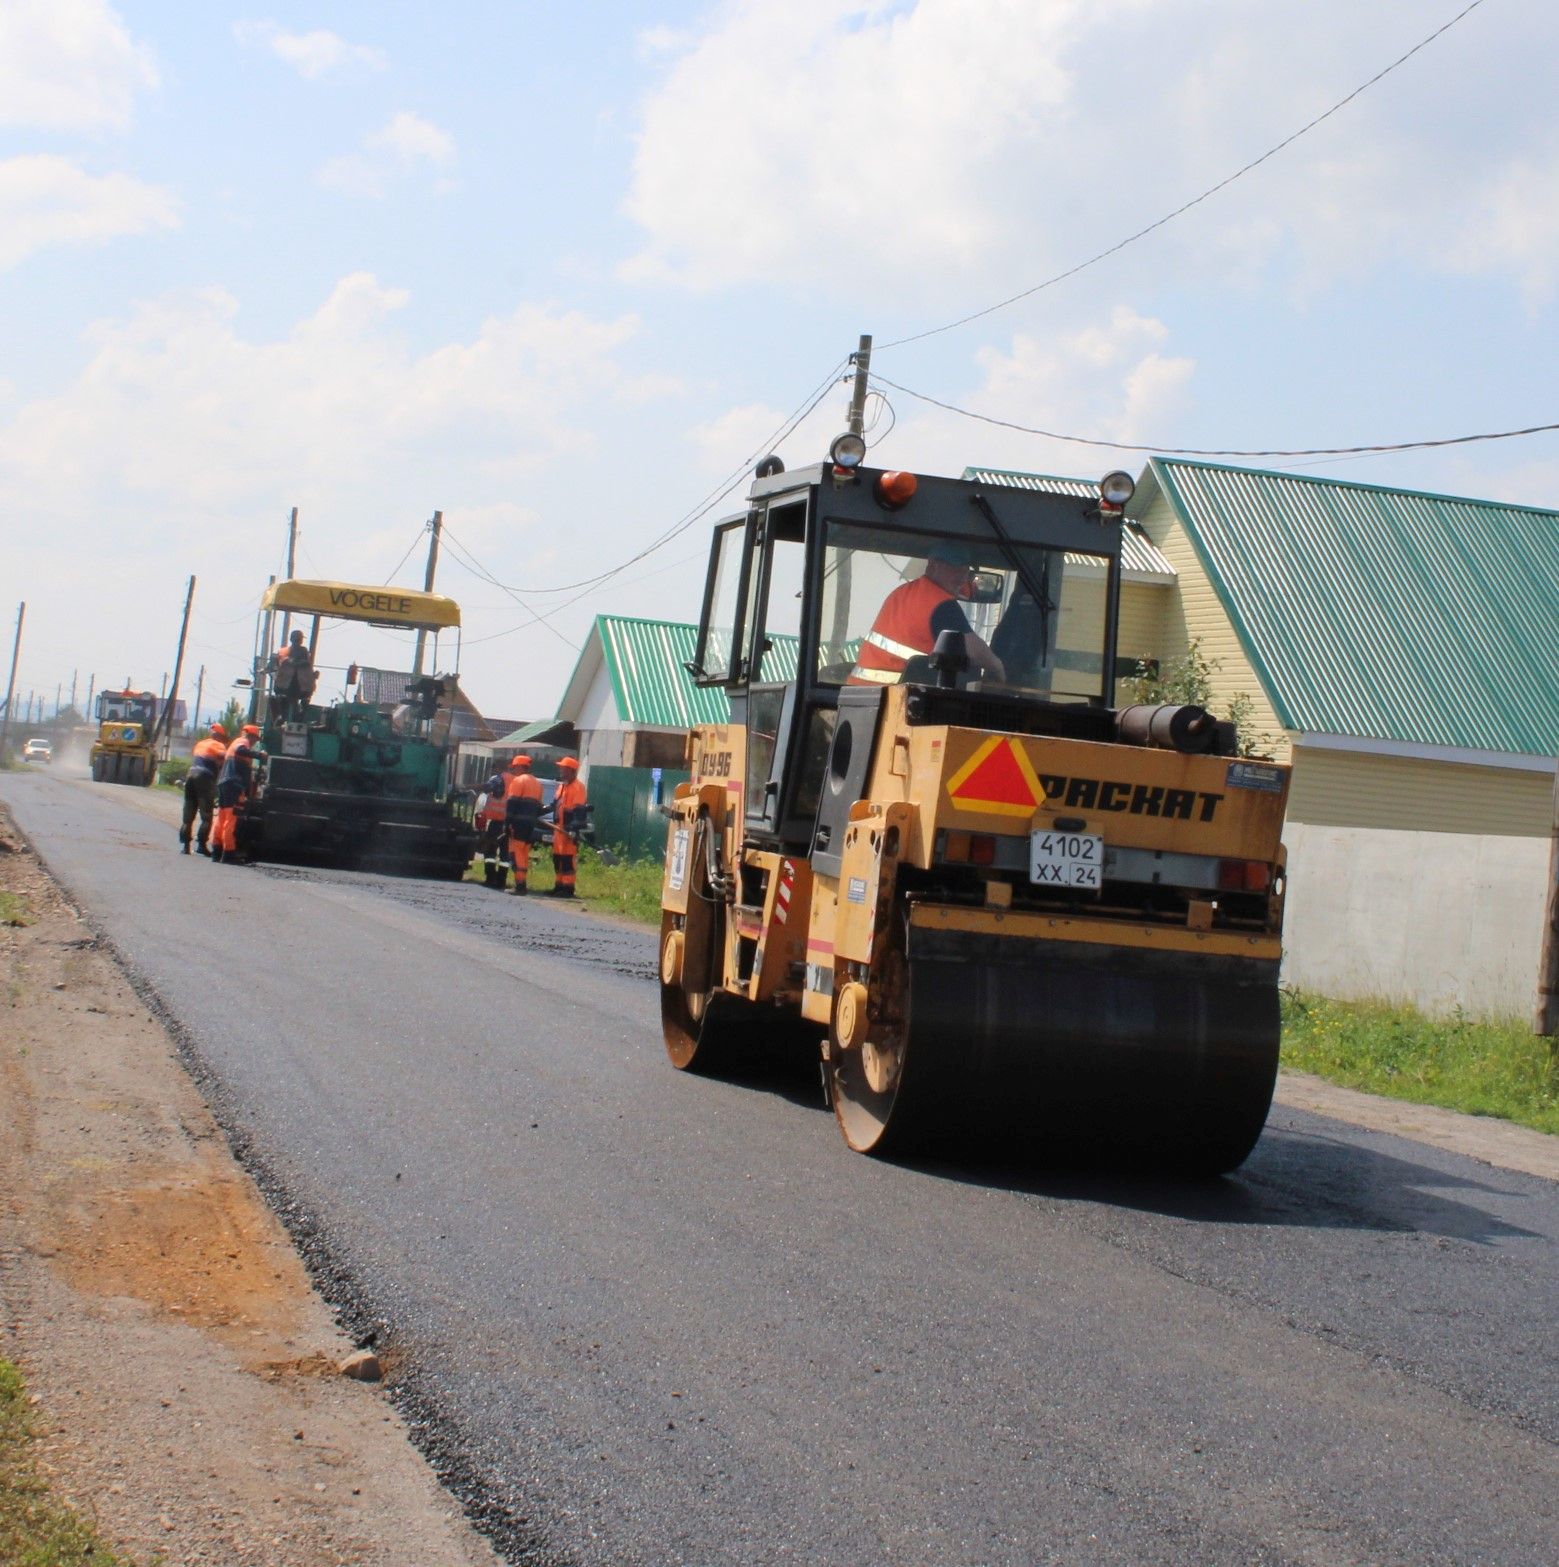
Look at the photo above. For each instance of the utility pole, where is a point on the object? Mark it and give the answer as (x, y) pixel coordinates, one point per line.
(1547, 1019)
(91, 687)
(73, 706)
(434, 528)
(178, 665)
(59, 695)
(862, 360)
(200, 686)
(292, 568)
(10, 689)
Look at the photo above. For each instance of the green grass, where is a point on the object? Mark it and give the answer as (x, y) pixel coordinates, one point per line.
(35, 1529)
(1497, 1069)
(628, 889)
(13, 909)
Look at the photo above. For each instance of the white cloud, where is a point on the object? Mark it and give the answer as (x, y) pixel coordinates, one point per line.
(1110, 381)
(176, 404)
(411, 140)
(48, 200)
(406, 144)
(949, 150)
(69, 65)
(183, 440)
(313, 54)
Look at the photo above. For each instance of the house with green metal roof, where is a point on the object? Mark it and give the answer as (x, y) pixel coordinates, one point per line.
(1400, 649)
(631, 697)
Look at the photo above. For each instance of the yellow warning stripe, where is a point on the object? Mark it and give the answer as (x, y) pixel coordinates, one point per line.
(1117, 933)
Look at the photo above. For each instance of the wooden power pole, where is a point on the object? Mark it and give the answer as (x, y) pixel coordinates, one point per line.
(434, 529)
(10, 688)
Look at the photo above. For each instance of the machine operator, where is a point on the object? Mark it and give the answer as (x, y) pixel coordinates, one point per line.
(294, 680)
(914, 614)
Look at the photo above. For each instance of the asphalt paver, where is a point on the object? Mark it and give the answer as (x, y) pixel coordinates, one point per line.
(642, 1317)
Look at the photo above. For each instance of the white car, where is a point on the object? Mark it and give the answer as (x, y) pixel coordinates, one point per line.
(37, 750)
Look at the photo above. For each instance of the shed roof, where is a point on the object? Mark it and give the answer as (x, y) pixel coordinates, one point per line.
(1380, 613)
(1141, 559)
(646, 664)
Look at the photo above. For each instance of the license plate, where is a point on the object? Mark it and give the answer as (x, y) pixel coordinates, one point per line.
(1066, 859)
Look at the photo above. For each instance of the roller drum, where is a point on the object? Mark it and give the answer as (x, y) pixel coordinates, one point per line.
(1071, 1052)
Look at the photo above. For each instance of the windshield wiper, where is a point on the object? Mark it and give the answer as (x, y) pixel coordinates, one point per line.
(1040, 591)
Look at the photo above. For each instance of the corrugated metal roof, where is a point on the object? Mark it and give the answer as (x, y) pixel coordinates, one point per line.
(646, 663)
(1384, 614)
(1141, 560)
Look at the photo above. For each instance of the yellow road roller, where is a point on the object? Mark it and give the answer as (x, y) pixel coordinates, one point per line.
(1014, 918)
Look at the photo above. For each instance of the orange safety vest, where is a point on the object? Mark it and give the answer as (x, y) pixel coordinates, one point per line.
(901, 631)
(569, 796)
(522, 786)
(210, 751)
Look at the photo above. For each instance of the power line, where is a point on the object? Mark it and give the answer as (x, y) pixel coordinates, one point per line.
(711, 500)
(704, 507)
(1198, 451)
(1212, 190)
(464, 557)
(390, 576)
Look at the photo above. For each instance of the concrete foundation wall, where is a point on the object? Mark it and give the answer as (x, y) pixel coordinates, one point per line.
(1439, 920)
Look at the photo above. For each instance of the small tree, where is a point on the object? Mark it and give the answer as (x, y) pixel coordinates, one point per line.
(1189, 679)
(232, 717)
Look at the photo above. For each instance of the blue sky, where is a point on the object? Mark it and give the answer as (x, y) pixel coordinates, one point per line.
(558, 269)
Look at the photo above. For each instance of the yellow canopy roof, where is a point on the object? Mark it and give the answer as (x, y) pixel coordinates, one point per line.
(379, 606)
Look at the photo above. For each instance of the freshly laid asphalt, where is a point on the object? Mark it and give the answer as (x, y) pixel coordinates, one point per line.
(648, 1318)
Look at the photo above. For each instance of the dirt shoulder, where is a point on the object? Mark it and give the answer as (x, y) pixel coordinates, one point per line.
(186, 1372)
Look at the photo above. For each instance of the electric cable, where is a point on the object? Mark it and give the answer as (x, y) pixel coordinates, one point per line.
(390, 577)
(713, 498)
(1212, 190)
(1201, 451)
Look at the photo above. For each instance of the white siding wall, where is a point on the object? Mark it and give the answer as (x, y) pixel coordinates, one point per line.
(1439, 920)
(600, 730)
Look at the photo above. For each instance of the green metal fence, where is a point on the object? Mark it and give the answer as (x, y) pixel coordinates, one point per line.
(626, 815)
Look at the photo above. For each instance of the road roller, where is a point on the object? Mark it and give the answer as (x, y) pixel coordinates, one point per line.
(1013, 917)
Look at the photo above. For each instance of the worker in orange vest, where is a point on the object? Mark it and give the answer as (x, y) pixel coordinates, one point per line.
(492, 837)
(522, 811)
(569, 819)
(235, 785)
(200, 787)
(914, 614)
(293, 682)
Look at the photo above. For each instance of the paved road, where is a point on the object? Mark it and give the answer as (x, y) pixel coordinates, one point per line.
(657, 1320)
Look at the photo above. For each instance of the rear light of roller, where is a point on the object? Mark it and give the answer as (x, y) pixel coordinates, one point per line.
(969, 848)
(1244, 875)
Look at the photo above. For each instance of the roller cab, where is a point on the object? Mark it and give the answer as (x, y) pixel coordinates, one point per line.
(1011, 916)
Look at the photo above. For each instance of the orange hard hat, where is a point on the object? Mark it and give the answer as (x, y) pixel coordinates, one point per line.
(569, 761)
(218, 732)
(252, 730)
(519, 761)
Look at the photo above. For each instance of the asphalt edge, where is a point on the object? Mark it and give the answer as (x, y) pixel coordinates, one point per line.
(508, 1531)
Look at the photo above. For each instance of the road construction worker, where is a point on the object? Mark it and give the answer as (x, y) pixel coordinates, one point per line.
(200, 787)
(569, 820)
(522, 812)
(235, 785)
(915, 613)
(491, 834)
(294, 680)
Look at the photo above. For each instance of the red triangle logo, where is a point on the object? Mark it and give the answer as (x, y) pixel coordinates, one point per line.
(999, 780)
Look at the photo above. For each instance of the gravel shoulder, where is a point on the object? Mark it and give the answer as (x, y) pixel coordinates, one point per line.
(185, 1371)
